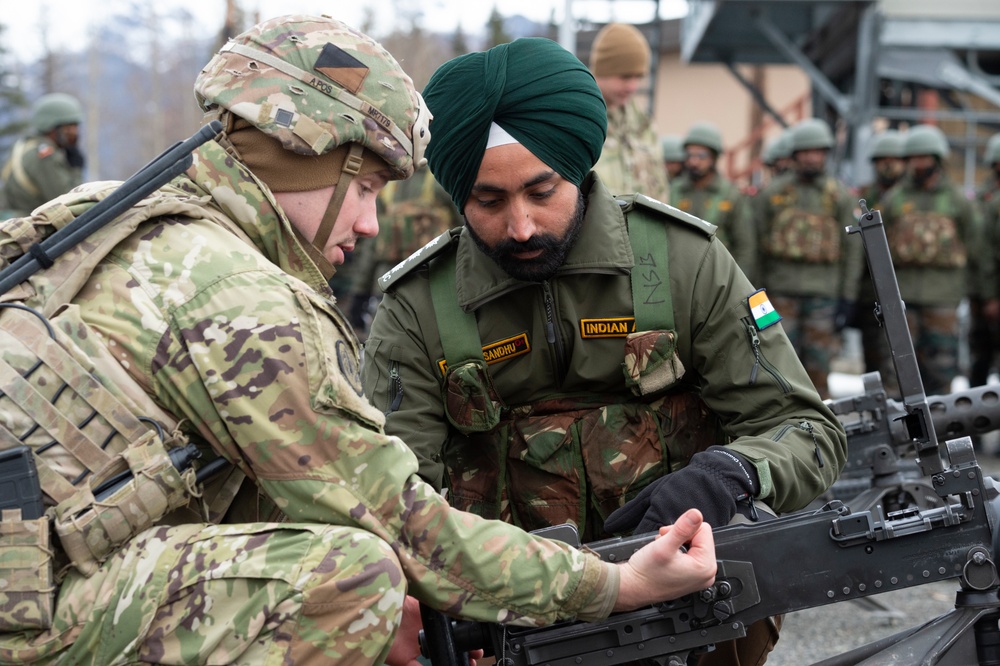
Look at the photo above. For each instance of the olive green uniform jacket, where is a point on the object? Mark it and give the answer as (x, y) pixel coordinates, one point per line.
(36, 172)
(721, 203)
(988, 200)
(835, 276)
(922, 284)
(751, 379)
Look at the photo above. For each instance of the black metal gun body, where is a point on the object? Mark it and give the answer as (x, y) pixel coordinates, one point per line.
(798, 561)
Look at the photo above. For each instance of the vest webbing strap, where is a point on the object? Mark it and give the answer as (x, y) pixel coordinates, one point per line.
(457, 328)
(651, 299)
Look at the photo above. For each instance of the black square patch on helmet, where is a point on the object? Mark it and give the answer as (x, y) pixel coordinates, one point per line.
(341, 67)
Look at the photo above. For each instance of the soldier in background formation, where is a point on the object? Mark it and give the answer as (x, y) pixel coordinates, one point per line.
(889, 165)
(411, 213)
(673, 156)
(807, 265)
(631, 160)
(984, 313)
(47, 162)
(706, 193)
(304, 550)
(933, 237)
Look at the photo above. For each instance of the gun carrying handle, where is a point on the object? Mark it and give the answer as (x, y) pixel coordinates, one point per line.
(437, 640)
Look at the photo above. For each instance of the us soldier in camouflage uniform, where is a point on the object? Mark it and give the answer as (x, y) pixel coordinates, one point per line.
(529, 380)
(411, 213)
(932, 230)
(807, 264)
(47, 162)
(631, 160)
(217, 310)
(889, 165)
(705, 193)
(984, 331)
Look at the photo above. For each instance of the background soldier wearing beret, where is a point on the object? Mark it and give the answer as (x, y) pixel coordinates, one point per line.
(631, 159)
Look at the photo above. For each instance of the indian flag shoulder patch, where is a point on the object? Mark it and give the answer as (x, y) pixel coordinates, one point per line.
(763, 312)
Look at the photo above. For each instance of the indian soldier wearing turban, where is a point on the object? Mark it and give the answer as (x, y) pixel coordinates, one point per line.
(571, 356)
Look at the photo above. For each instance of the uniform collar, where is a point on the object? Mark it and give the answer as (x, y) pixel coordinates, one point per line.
(602, 247)
(250, 204)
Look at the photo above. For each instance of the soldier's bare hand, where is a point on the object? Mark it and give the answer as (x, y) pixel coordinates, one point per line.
(664, 570)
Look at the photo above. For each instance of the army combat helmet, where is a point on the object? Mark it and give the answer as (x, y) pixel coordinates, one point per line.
(992, 153)
(926, 140)
(889, 143)
(55, 110)
(810, 134)
(315, 84)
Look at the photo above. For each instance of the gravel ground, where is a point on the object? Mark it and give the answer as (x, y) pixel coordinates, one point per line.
(814, 634)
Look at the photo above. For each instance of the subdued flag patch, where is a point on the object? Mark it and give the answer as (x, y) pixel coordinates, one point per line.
(341, 67)
(763, 312)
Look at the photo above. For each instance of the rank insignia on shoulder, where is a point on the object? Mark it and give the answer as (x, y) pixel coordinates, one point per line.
(763, 312)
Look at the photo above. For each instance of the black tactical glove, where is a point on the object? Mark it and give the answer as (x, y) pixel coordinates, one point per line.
(74, 156)
(715, 482)
(845, 315)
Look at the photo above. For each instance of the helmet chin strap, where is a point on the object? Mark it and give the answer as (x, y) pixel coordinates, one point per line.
(352, 165)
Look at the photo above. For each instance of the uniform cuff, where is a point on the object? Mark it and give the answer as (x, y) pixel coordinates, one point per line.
(607, 579)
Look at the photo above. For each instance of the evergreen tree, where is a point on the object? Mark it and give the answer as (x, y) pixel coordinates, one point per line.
(13, 104)
(458, 44)
(495, 31)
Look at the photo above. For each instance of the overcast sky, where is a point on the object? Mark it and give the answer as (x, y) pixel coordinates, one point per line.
(70, 19)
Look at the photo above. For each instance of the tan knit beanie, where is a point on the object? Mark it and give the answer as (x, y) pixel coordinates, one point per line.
(619, 50)
(285, 171)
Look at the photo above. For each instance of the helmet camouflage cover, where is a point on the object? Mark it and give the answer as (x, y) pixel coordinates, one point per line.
(314, 83)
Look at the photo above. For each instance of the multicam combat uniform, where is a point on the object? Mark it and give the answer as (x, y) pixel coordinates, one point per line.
(631, 160)
(565, 437)
(933, 239)
(36, 172)
(219, 314)
(721, 203)
(807, 263)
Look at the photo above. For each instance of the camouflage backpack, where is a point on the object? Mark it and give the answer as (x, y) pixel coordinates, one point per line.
(110, 462)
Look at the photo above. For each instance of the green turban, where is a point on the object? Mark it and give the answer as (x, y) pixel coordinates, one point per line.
(536, 90)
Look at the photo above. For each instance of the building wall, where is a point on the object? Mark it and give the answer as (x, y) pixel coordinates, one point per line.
(690, 93)
(953, 9)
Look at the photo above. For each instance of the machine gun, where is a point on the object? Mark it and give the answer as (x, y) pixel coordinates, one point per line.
(880, 468)
(805, 559)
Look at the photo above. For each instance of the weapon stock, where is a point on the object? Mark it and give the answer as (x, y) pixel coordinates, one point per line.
(817, 557)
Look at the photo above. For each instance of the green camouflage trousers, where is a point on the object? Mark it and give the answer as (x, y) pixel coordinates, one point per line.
(809, 323)
(934, 331)
(261, 594)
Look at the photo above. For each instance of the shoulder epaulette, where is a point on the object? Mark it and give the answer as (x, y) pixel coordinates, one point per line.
(642, 201)
(418, 258)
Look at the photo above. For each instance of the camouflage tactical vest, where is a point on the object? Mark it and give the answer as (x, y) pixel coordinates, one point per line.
(925, 238)
(570, 460)
(110, 462)
(805, 236)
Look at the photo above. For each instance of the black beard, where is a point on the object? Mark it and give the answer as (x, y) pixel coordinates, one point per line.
(921, 176)
(808, 174)
(544, 266)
